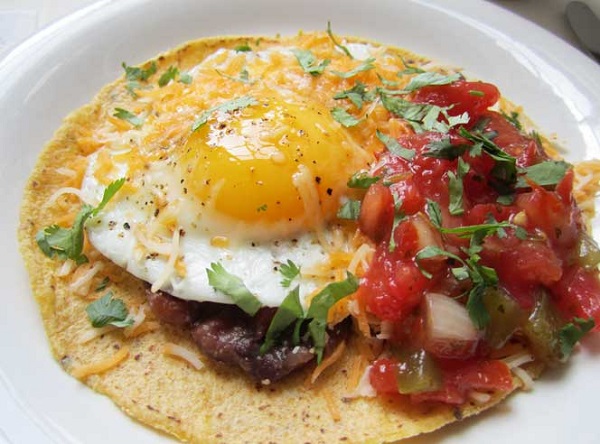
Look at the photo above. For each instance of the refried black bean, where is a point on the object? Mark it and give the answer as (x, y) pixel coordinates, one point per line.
(227, 334)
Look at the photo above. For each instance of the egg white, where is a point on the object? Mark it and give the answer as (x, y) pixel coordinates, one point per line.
(116, 231)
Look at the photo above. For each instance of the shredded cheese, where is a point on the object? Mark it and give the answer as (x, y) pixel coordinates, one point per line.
(180, 352)
(101, 366)
(82, 278)
(60, 192)
(331, 405)
(170, 265)
(94, 333)
(328, 361)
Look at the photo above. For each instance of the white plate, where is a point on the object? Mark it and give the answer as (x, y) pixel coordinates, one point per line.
(62, 67)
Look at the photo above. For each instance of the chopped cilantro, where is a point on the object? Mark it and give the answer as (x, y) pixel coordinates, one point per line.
(394, 147)
(455, 188)
(513, 118)
(288, 312)
(289, 271)
(367, 65)
(128, 116)
(102, 285)
(547, 173)
(229, 106)
(476, 93)
(409, 69)
(422, 116)
(108, 311)
(430, 78)
(243, 78)
(335, 42)
(233, 287)
(244, 48)
(135, 73)
(308, 62)
(358, 94)
(263, 207)
(319, 308)
(506, 199)
(170, 74)
(350, 210)
(362, 180)
(504, 172)
(344, 117)
(67, 243)
(444, 149)
(572, 333)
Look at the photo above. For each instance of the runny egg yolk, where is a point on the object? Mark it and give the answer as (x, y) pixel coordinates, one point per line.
(246, 165)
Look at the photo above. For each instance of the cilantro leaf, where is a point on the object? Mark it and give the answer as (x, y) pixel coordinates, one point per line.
(335, 42)
(455, 188)
(409, 69)
(513, 118)
(233, 287)
(435, 213)
(128, 116)
(394, 147)
(444, 149)
(504, 172)
(108, 311)
(308, 62)
(243, 48)
(572, 333)
(344, 117)
(67, 243)
(229, 106)
(102, 285)
(135, 73)
(319, 308)
(243, 78)
(387, 82)
(350, 210)
(367, 65)
(170, 74)
(547, 173)
(289, 311)
(289, 271)
(362, 180)
(358, 94)
(476, 308)
(430, 78)
(421, 116)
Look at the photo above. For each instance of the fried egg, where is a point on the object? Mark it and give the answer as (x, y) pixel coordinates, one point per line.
(251, 187)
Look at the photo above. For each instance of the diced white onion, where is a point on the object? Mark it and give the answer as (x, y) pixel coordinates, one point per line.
(517, 360)
(94, 333)
(181, 352)
(66, 268)
(478, 397)
(448, 319)
(524, 377)
(60, 192)
(364, 389)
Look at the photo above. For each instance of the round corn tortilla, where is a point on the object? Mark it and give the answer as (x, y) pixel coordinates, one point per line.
(214, 403)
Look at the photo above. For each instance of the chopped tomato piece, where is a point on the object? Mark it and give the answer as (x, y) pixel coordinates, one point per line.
(392, 287)
(461, 377)
(471, 97)
(377, 213)
(578, 294)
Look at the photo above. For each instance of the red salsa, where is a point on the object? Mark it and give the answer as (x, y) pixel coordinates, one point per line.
(476, 215)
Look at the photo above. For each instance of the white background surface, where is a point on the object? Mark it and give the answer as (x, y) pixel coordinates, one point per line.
(21, 18)
(533, 64)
